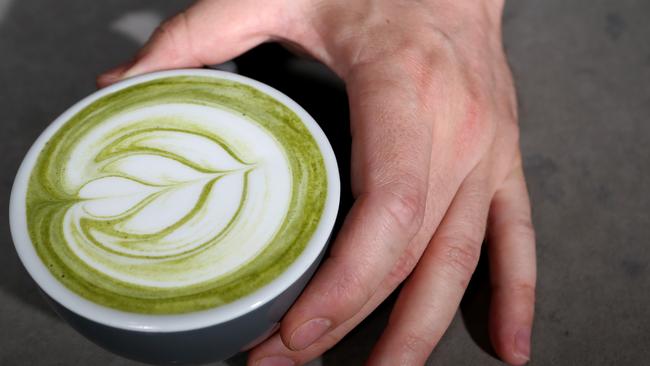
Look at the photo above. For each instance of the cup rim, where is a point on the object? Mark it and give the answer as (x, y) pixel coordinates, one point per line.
(183, 321)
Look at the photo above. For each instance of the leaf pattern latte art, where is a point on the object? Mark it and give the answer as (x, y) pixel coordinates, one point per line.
(175, 195)
(148, 172)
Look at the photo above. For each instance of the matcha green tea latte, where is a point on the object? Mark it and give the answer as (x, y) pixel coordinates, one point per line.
(175, 195)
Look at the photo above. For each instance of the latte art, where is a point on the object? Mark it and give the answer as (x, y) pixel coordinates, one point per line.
(165, 206)
(175, 195)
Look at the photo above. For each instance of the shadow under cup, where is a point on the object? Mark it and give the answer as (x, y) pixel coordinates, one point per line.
(192, 337)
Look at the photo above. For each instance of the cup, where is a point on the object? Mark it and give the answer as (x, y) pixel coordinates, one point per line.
(195, 337)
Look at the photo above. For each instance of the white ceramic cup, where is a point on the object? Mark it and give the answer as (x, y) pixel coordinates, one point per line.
(201, 336)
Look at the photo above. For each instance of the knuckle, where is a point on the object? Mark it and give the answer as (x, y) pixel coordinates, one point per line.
(521, 289)
(524, 288)
(348, 289)
(426, 68)
(460, 253)
(416, 344)
(168, 24)
(176, 23)
(404, 207)
(402, 268)
(169, 27)
(175, 36)
(164, 33)
(524, 228)
(520, 229)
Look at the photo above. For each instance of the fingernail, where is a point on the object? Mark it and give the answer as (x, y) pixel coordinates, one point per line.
(522, 344)
(275, 361)
(308, 333)
(131, 70)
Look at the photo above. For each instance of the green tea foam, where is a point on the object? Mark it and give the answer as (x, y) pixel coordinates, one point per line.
(175, 195)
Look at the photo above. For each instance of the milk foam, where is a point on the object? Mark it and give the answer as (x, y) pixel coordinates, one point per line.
(161, 209)
(175, 194)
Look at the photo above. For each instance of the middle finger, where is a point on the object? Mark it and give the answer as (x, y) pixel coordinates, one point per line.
(431, 296)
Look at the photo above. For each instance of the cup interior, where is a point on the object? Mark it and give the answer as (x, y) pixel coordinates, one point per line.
(184, 321)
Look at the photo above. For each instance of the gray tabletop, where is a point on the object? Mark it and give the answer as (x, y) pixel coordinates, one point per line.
(583, 72)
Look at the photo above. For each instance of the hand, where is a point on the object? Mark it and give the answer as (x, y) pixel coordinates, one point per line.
(435, 163)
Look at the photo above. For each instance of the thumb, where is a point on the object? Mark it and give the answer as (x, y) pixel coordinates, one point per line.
(208, 32)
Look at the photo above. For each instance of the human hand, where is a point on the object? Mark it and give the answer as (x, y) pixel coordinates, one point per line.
(435, 163)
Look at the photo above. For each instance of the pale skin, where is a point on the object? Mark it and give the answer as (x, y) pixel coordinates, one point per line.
(436, 164)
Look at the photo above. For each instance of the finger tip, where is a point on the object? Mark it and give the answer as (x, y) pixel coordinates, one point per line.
(109, 77)
(270, 352)
(284, 335)
(105, 80)
(516, 360)
(287, 332)
(522, 345)
(513, 347)
(115, 74)
(273, 361)
(308, 333)
(133, 71)
(511, 323)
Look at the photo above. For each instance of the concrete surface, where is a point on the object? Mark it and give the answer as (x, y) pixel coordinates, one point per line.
(583, 71)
